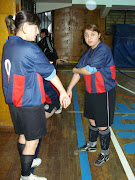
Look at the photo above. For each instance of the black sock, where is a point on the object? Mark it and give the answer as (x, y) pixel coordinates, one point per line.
(20, 148)
(105, 140)
(93, 133)
(26, 162)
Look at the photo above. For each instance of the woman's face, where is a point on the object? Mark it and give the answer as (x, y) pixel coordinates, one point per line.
(92, 38)
(31, 33)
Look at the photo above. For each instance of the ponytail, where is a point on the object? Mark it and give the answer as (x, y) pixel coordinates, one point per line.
(10, 24)
(21, 17)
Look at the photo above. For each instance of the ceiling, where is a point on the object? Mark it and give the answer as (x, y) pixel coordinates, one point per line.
(104, 5)
(54, 1)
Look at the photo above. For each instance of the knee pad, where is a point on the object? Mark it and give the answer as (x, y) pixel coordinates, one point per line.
(105, 139)
(93, 133)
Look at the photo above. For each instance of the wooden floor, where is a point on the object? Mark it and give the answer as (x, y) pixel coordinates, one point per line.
(57, 148)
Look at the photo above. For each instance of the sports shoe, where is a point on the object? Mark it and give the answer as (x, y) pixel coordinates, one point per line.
(101, 159)
(32, 177)
(88, 148)
(85, 148)
(36, 162)
(58, 111)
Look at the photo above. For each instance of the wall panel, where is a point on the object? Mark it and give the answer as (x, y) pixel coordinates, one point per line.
(7, 7)
(68, 26)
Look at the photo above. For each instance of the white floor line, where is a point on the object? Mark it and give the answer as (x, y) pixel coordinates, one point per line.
(123, 160)
(117, 113)
(75, 111)
(127, 71)
(126, 89)
(122, 157)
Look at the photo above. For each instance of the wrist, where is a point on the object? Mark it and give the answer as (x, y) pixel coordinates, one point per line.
(74, 70)
(69, 88)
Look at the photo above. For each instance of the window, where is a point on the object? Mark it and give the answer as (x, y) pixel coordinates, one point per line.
(28, 5)
(118, 17)
(46, 23)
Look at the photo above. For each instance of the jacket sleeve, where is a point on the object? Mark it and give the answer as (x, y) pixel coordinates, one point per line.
(82, 61)
(40, 62)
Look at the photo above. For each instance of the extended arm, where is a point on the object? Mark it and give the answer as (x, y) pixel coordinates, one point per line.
(81, 71)
(64, 98)
(74, 80)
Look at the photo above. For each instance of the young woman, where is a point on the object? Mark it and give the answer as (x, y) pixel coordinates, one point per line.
(98, 69)
(24, 66)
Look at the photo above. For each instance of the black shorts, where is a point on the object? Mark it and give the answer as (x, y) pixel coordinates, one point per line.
(49, 107)
(29, 121)
(100, 107)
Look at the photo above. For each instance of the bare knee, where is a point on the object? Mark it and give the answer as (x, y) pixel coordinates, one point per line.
(30, 147)
(32, 144)
(92, 122)
(102, 128)
(48, 115)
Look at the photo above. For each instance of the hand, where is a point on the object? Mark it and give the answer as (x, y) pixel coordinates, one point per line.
(58, 61)
(74, 70)
(64, 100)
(69, 93)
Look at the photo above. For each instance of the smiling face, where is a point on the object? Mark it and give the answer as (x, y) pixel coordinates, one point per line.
(92, 38)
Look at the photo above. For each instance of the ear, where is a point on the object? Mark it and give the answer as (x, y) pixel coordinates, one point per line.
(25, 28)
(99, 35)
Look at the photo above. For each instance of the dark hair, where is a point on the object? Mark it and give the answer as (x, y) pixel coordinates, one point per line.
(93, 27)
(21, 18)
(10, 24)
(44, 31)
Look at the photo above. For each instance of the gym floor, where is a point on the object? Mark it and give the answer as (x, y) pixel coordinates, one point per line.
(69, 129)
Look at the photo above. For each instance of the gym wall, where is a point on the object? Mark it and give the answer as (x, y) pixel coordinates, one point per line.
(68, 26)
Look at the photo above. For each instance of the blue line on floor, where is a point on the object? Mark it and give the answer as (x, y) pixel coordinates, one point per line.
(126, 134)
(84, 163)
(117, 124)
(124, 109)
(130, 148)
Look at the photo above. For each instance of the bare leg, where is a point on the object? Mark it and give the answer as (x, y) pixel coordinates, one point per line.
(30, 147)
(92, 122)
(22, 139)
(48, 115)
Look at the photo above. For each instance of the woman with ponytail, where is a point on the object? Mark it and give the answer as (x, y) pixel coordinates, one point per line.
(24, 66)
